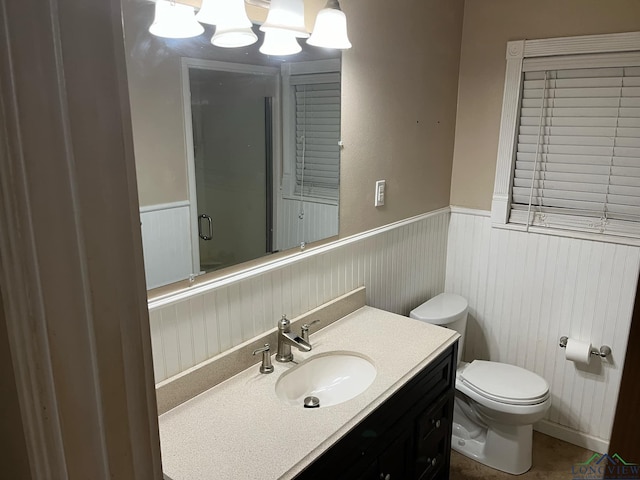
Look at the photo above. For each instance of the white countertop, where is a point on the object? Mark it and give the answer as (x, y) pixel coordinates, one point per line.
(240, 429)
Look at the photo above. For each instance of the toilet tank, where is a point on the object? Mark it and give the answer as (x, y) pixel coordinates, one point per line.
(446, 310)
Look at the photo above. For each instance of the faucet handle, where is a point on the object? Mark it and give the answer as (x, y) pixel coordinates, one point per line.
(283, 323)
(305, 330)
(266, 366)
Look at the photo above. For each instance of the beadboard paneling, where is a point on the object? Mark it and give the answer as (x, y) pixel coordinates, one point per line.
(525, 291)
(166, 242)
(400, 268)
(319, 221)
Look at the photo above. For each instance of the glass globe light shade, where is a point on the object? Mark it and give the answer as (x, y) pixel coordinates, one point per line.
(233, 37)
(330, 30)
(279, 43)
(286, 16)
(230, 13)
(209, 12)
(174, 20)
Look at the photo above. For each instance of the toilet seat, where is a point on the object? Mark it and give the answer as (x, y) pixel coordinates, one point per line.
(502, 383)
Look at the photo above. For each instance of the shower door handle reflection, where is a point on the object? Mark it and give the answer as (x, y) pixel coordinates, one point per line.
(209, 225)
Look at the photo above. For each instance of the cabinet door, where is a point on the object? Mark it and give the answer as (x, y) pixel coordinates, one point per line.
(371, 473)
(392, 463)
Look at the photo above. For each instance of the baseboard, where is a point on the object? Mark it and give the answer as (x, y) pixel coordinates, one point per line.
(571, 436)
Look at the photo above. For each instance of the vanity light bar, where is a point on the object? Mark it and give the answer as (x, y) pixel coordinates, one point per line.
(331, 23)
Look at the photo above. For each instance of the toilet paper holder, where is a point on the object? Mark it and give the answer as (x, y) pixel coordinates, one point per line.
(604, 351)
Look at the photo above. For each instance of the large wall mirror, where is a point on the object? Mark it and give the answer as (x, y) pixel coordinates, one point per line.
(237, 152)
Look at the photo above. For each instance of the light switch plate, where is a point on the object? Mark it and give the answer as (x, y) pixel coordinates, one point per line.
(380, 190)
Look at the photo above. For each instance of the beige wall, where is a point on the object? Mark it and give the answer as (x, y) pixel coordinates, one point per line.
(488, 25)
(399, 96)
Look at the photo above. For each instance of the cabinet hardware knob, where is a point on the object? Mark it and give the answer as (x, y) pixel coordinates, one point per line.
(433, 462)
(385, 477)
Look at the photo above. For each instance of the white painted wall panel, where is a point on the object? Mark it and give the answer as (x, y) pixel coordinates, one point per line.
(526, 290)
(166, 243)
(319, 221)
(401, 268)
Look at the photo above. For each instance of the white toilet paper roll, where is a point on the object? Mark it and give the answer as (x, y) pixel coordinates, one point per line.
(578, 351)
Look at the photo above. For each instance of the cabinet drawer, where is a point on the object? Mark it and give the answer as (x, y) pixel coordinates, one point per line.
(433, 434)
(439, 380)
(435, 469)
(435, 420)
(432, 455)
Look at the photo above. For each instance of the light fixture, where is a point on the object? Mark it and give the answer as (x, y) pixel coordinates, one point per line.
(233, 27)
(210, 12)
(174, 20)
(330, 30)
(233, 37)
(286, 16)
(279, 43)
(284, 23)
(230, 13)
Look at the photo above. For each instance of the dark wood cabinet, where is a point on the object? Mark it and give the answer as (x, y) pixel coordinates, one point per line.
(407, 437)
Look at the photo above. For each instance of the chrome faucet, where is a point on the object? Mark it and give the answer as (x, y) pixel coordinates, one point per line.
(286, 339)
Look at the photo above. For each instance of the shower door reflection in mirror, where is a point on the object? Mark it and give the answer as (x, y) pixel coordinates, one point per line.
(231, 160)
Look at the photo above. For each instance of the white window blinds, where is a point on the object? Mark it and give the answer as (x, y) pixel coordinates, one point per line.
(578, 150)
(317, 127)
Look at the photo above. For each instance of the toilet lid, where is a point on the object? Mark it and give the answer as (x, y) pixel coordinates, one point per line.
(441, 309)
(505, 383)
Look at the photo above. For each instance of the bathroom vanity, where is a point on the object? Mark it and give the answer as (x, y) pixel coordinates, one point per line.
(407, 437)
(398, 428)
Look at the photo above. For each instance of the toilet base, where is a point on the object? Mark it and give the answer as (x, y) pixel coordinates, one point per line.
(504, 447)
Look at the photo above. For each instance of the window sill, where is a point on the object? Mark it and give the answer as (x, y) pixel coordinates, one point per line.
(326, 201)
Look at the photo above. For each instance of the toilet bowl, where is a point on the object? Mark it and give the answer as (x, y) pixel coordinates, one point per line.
(496, 403)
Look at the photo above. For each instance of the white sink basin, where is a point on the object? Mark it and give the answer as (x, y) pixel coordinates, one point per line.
(333, 378)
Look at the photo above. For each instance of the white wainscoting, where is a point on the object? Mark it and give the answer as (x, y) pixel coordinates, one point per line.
(525, 291)
(400, 266)
(166, 243)
(320, 221)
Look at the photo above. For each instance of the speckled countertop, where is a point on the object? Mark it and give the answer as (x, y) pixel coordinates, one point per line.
(240, 429)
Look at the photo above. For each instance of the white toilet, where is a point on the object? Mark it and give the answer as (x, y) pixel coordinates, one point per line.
(496, 403)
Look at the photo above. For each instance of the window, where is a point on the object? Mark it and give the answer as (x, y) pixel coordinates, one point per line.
(569, 153)
(311, 113)
(317, 134)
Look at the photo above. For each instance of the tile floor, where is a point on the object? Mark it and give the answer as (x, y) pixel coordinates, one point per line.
(552, 460)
